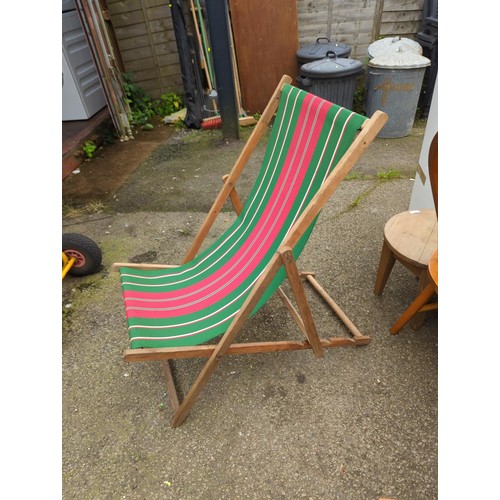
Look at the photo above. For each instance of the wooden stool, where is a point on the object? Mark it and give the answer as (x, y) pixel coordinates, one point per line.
(411, 238)
(421, 303)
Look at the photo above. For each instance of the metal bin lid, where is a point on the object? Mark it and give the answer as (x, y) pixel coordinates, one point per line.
(332, 66)
(393, 44)
(319, 49)
(402, 59)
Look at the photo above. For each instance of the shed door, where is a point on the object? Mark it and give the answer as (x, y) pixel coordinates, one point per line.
(266, 40)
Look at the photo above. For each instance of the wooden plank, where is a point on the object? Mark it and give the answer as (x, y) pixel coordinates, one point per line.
(171, 389)
(127, 18)
(390, 29)
(377, 17)
(138, 66)
(336, 309)
(116, 266)
(302, 303)
(137, 53)
(293, 312)
(160, 12)
(266, 42)
(117, 7)
(345, 16)
(410, 15)
(166, 36)
(205, 351)
(403, 5)
(140, 28)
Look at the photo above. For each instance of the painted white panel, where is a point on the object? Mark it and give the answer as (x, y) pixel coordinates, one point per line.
(421, 196)
(79, 71)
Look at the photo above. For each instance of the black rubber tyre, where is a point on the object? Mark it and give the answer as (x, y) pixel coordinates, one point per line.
(86, 251)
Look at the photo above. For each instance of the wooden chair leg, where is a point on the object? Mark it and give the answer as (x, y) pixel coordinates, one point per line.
(420, 301)
(385, 266)
(423, 281)
(300, 296)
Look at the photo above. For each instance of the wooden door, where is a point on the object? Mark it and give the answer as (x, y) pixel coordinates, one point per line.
(266, 41)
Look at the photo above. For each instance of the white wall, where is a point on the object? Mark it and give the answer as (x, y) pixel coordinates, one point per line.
(421, 196)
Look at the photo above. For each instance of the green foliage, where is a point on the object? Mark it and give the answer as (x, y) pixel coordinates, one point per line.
(88, 148)
(141, 105)
(143, 108)
(358, 101)
(167, 104)
(389, 174)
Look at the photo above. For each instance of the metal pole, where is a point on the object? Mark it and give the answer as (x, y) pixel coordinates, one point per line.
(218, 27)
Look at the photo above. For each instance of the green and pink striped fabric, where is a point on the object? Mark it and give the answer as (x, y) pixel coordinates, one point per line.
(195, 302)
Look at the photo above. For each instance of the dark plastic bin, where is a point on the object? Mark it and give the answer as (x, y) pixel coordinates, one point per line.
(331, 78)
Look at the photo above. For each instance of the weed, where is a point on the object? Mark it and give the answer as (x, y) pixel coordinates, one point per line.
(357, 201)
(167, 104)
(88, 148)
(352, 176)
(93, 207)
(390, 174)
(143, 108)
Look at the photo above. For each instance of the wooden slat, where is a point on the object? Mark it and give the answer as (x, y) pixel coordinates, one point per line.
(171, 389)
(291, 309)
(403, 5)
(336, 308)
(401, 29)
(300, 296)
(400, 17)
(205, 351)
(116, 266)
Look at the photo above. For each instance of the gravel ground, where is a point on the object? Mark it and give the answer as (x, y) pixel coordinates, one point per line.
(361, 423)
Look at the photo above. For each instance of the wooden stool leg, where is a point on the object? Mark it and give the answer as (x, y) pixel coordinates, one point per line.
(385, 266)
(414, 307)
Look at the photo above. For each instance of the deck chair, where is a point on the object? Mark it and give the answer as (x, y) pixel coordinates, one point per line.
(176, 311)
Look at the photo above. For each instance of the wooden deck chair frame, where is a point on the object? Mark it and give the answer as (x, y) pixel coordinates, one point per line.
(283, 257)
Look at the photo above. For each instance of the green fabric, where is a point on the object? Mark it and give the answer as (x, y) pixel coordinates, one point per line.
(210, 320)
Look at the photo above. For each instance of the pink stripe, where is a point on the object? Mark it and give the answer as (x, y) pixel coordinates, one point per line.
(258, 243)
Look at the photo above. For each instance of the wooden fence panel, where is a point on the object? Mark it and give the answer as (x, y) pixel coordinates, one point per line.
(357, 23)
(345, 21)
(146, 38)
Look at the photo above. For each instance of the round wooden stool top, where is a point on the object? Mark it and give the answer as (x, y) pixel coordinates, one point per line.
(413, 236)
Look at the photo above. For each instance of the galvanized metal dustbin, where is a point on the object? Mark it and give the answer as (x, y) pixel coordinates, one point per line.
(393, 44)
(332, 78)
(393, 85)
